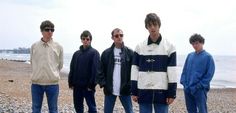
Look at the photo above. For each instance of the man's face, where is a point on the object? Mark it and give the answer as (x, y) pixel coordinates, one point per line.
(86, 41)
(197, 46)
(118, 37)
(47, 32)
(153, 29)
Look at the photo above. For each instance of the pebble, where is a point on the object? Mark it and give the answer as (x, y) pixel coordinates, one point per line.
(16, 105)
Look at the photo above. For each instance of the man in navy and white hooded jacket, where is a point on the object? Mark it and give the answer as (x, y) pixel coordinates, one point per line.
(153, 73)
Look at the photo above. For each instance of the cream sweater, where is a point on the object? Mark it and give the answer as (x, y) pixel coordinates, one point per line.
(46, 61)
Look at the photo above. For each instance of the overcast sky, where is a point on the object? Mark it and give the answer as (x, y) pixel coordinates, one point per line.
(215, 20)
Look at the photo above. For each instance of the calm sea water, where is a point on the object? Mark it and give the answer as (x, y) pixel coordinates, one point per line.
(225, 74)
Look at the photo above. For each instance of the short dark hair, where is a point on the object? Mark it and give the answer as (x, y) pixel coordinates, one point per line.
(196, 37)
(46, 23)
(116, 29)
(86, 33)
(152, 18)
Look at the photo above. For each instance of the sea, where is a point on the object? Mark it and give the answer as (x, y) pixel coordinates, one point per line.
(224, 77)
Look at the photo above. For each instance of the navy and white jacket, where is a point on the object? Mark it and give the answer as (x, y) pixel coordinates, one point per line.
(84, 68)
(153, 72)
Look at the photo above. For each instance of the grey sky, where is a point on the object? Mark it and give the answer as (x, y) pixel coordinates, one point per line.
(215, 20)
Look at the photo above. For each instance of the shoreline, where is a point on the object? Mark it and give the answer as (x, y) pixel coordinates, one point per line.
(15, 94)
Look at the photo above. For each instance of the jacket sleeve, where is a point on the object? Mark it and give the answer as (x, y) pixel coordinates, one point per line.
(100, 78)
(207, 77)
(184, 72)
(31, 54)
(61, 58)
(172, 72)
(95, 65)
(72, 64)
(135, 73)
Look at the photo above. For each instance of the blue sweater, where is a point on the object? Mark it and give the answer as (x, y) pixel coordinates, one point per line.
(198, 71)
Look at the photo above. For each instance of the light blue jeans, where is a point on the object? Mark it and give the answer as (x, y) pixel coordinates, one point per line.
(158, 108)
(110, 102)
(37, 92)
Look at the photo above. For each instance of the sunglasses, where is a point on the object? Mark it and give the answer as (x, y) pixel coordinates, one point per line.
(118, 35)
(87, 39)
(47, 30)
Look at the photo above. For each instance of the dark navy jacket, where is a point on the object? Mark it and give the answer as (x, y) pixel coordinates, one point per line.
(105, 76)
(84, 68)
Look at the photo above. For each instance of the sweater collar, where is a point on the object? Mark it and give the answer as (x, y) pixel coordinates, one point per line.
(199, 52)
(46, 44)
(84, 49)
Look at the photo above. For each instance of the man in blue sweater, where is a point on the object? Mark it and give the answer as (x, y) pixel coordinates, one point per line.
(197, 73)
(83, 69)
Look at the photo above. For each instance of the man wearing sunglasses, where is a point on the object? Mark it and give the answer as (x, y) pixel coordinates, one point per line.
(46, 59)
(153, 72)
(114, 73)
(83, 70)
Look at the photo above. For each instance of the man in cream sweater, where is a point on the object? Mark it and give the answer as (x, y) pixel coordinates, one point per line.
(46, 59)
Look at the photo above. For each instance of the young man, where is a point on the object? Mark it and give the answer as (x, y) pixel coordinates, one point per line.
(114, 73)
(153, 72)
(46, 59)
(83, 69)
(197, 73)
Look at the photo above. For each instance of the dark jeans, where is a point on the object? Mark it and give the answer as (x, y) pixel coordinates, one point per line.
(196, 103)
(110, 102)
(37, 92)
(78, 96)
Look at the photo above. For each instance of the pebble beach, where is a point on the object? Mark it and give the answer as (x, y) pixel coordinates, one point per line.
(15, 95)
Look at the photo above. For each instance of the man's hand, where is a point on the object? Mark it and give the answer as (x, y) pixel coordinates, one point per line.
(135, 98)
(71, 87)
(169, 100)
(89, 89)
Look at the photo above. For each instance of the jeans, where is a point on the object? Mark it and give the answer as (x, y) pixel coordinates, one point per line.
(196, 103)
(148, 107)
(37, 92)
(78, 96)
(110, 102)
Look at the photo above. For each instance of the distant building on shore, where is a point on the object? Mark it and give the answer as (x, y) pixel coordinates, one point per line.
(20, 50)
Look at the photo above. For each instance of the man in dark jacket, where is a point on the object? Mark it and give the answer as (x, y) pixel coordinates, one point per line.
(83, 69)
(114, 73)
